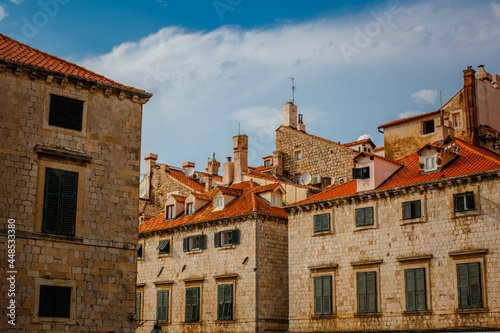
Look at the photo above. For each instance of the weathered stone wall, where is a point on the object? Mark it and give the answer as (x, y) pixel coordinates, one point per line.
(436, 235)
(161, 184)
(99, 262)
(319, 157)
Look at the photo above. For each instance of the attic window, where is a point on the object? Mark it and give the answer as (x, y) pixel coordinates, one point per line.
(428, 127)
(267, 163)
(361, 173)
(276, 200)
(219, 202)
(430, 163)
(189, 209)
(169, 212)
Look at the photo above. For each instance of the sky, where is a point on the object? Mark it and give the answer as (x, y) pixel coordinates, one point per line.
(220, 67)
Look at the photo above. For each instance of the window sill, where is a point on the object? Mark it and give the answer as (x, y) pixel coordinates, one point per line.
(319, 317)
(226, 247)
(366, 227)
(413, 221)
(57, 238)
(194, 251)
(224, 321)
(467, 311)
(323, 233)
(165, 255)
(417, 313)
(368, 315)
(457, 215)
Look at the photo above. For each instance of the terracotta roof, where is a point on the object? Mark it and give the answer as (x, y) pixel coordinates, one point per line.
(403, 120)
(179, 198)
(266, 157)
(364, 153)
(217, 178)
(379, 148)
(266, 176)
(201, 196)
(488, 128)
(313, 136)
(247, 203)
(235, 192)
(266, 188)
(359, 142)
(181, 177)
(262, 168)
(473, 160)
(12, 50)
(147, 209)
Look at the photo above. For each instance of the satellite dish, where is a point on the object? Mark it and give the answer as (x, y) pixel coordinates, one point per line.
(189, 172)
(305, 179)
(142, 192)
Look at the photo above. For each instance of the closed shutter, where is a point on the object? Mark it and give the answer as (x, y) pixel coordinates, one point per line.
(325, 222)
(189, 305)
(420, 290)
(185, 244)
(75, 114)
(217, 239)
(416, 209)
(68, 203)
(65, 112)
(51, 201)
(475, 285)
(220, 302)
(162, 305)
(63, 302)
(235, 236)
(470, 201)
(360, 218)
(47, 301)
(196, 304)
(368, 216)
(228, 302)
(459, 203)
(138, 306)
(406, 210)
(203, 241)
(410, 289)
(371, 292)
(317, 223)
(327, 295)
(361, 292)
(463, 286)
(318, 290)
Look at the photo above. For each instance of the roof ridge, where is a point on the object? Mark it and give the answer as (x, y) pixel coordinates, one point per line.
(315, 136)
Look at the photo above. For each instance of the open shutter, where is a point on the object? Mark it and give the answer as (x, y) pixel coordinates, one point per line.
(475, 285)
(196, 304)
(235, 237)
(458, 203)
(185, 244)
(463, 286)
(220, 302)
(318, 289)
(228, 302)
(406, 210)
(327, 295)
(51, 201)
(416, 209)
(470, 201)
(410, 289)
(317, 223)
(371, 292)
(360, 218)
(420, 290)
(189, 305)
(325, 222)
(368, 215)
(203, 241)
(361, 292)
(138, 306)
(68, 202)
(217, 239)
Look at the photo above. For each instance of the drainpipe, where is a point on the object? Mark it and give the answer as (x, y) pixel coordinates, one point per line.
(257, 276)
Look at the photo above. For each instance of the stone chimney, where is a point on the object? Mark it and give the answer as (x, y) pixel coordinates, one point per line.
(300, 126)
(290, 115)
(240, 151)
(150, 162)
(187, 165)
(213, 166)
(227, 172)
(278, 163)
(482, 74)
(208, 183)
(444, 130)
(470, 105)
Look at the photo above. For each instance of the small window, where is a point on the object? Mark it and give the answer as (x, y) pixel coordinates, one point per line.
(322, 295)
(226, 238)
(267, 163)
(192, 304)
(194, 243)
(411, 210)
(361, 173)
(456, 120)
(430, 163)
(464, 202)
(139, 251)
(225, 302)
(364, 217)
(322, 222)
(367, 292)
(415, 289)
(189, 209)
(59, 202)
(428, 127)
(169, 212)
(298, 155)
(65, 112)
(162, 305)
(219, 202)
(469, 286)
(276, 200)
(164, 247)
(55, 301)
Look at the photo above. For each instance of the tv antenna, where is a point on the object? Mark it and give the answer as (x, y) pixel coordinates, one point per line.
(293, 89)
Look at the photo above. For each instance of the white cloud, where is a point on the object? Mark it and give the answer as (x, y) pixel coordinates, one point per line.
(496, 9)
(17, 2)
(365, 136)
(3, 14)
(425, 95)
(410, 113)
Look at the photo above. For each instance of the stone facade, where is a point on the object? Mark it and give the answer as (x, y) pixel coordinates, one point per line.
(98, 263)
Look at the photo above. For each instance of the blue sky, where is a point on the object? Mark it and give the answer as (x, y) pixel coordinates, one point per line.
(214, 64)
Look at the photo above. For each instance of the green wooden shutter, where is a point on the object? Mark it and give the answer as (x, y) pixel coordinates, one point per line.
(360, 217)
(406, 210)
(228, 302)
(416, 209)
(317, 223)
(327, 295)
(371, 292)
(463, 286)
(325, 222)
(368, 216)
(470, 201)
(318, 290)
(458, 203)
(420, 290)
(189, 305)
(410, 289)
(217, 239)
(235, 236)
(138, 306)
(162, 305)
(68, 203)
(203, 241)
(51, 200)
(475, 285)
(361, 292)
(185, 244)
(196, 304)
(220, 302)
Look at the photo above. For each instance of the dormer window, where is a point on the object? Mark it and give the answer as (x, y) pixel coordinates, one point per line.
(267, 163)
(219, 202)
(276, 200)
(361, 173)
(189, 209)
(428, 127)
(169, 212)
(430, 163)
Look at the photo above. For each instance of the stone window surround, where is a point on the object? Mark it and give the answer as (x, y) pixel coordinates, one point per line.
(165, 285)
(477, 203)
(423, 209)
(297, 151)
(46, 110)
(368, 266)
(328, 269)
(193, 283)
(422, 122)
(413, 262)
(36, 300)
(470, 256)
(139, 288)
(373, 204)
(326, 232)
(226, 279)
(163, 255)
(452, 118)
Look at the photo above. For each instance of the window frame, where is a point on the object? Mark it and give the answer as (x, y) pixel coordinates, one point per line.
(319, 221)
(162, 244)
(219, 202)
(424, 128)
(434, 165)
(267, 163)
(165, 315)
(411, 211)
(468, 197)
(456, 116)
(225, 304)
(72, 108)
(38, 282)
(82, 96)
(138, 305)
(218, 237)
(413, 306)
(187, 243)
(170, 212)
(364, 224)
(276, 199)
(298, 155)
(469, 286)
(417, 262)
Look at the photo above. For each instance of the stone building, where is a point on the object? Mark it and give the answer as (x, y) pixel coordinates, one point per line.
(70, 172)
(408, 245)
(473, 113)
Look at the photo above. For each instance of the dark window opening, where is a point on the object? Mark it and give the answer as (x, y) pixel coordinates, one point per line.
(411, 210)
(464, 202)
(361, 173)
(65, 112)
(428, 127)
(322, 222)
(163, 247)
(54, 302)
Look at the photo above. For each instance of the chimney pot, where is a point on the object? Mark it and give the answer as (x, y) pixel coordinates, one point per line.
(187, 165)
(229, 158)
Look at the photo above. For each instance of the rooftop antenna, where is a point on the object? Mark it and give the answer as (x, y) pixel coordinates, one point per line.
(293, 89)
(441, 105)
(239, 128)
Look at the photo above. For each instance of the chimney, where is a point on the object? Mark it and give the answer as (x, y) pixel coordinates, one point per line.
(150, 162)
(213, 167)
(470, 105)
(208, 183)
(187, 165)
(278, 163)
(227, 172)
(301, 127)
(495, 81)
(444, 131)
(482, 74)
(290, 115)
(240, 151)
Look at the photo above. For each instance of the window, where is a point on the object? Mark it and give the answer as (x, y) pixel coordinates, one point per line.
(138, 306)
(322, 222)
(411, 210)
(55, 301)
(219, 202)
(225, 238)
(367, 292)
(65, 112)
(267, 163)
(430, 163)
(322, 295)
(469, 285)
(225, 302)
(139, 251)
(361, 173)
(364, 217)
(464, 202)
(298, 155)
(415, 289)
(276, 200)
(456, 120)
(162, 305)
(194, 243)
(59, 203)
(192, 304)
(189, 208)
(164, 247)
(428, 127)
(169, 212)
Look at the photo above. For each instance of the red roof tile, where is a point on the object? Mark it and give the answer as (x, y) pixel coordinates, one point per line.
(359, 142)
(379, 148)
(247, 203)
(201, 196)
(12, 50)
(348, 188)
(266, 176)
(262, 168)
(266, 188)
(181, 177)
(235, 192)
(364, 153)
(403, 120)
(179, 198)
